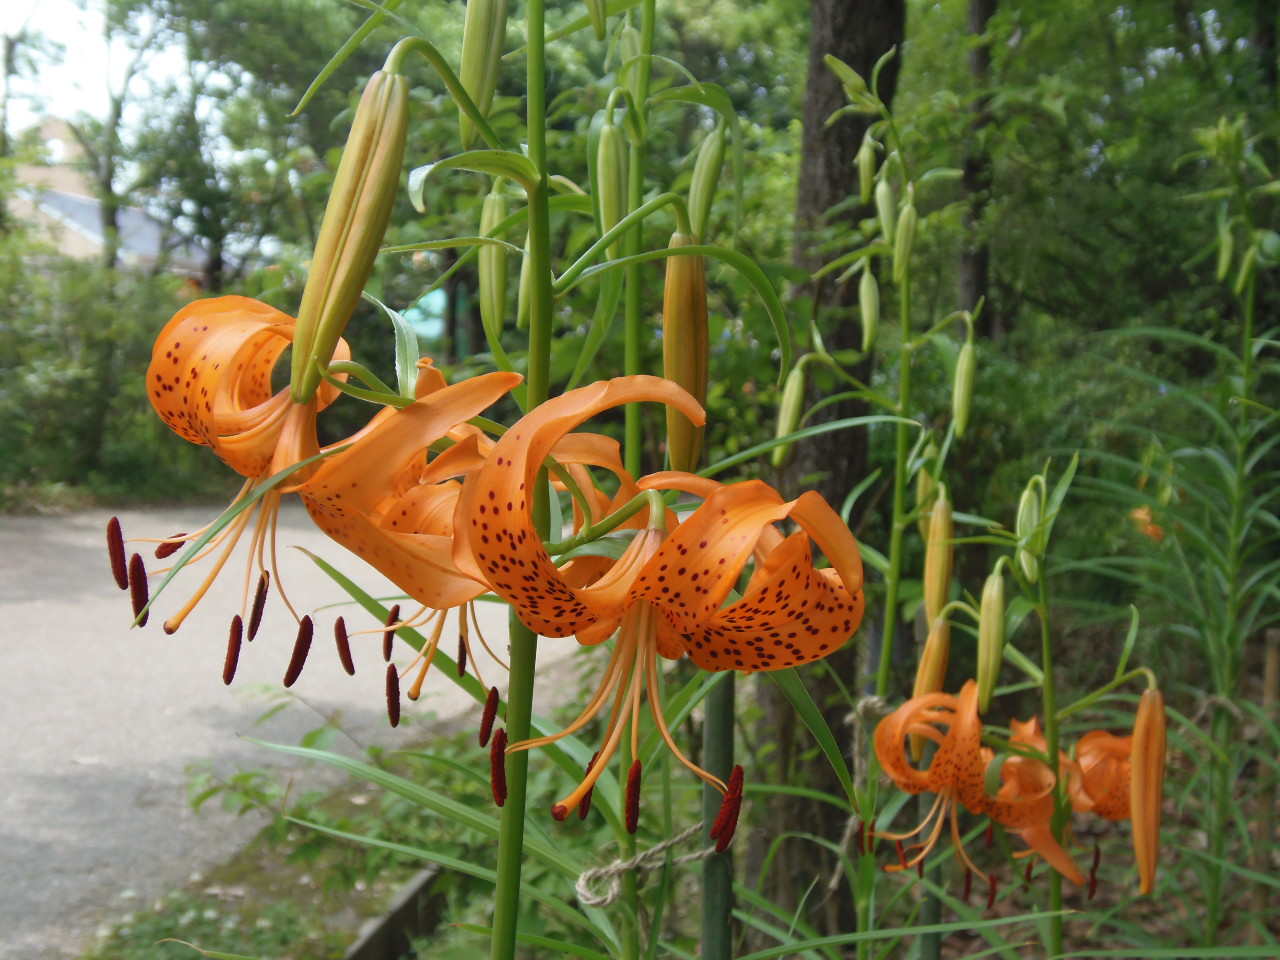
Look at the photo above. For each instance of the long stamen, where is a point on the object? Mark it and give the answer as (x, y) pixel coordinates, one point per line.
(259, 603)
(475, 625)
(624, 698)
(633, 796)
(655, 706)
(427, 654)
(230, 538)
(958, 844)
(612, 674)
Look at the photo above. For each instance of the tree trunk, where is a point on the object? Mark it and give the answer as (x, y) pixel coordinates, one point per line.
(858, 32)
(973, 274)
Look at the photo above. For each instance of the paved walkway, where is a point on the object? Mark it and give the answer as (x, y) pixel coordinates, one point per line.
(98, 721)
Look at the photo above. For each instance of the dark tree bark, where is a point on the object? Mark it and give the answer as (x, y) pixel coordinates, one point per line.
(973, 276)
(858, 32)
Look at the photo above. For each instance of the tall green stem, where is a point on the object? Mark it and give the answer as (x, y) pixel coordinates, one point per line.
(1049, 695)
(524, 648)
(717, 870)
(903, 450)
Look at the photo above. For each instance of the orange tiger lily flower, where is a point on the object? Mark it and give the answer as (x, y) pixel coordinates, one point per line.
(210, 381)
(1104, 787)
(1023, 804)
(664, 596)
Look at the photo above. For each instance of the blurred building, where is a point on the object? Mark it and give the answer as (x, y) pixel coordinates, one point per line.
(57, 200)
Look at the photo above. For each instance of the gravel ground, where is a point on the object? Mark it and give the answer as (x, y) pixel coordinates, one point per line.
(99, 721)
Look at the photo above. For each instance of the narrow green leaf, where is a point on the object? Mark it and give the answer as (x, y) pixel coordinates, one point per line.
(793, 688)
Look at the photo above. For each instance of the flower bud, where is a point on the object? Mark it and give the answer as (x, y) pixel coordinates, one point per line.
(990, 638)
(611, 179)
(1226, 248)
(789, 409)
(931, 672)
(869, 302)
(937, 556)
(1027, 527)
(962, 387)
(903, 239)
(925, 485)
(359, 209)
(629, 48)
(684, 347)
(524, 292)
(866, 163)
(597, 13)
(706, 174)
(1248, 264)
(1146, 788)
(483, 33)
(886, 210)
(492, 269)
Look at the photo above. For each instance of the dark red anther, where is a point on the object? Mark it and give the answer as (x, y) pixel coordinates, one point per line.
(968, 884)
(559, 811)
(991, 891)
(902, 853)
(388, 635)
(344, 646)
(462, 655)
(259, 604)
(1097, 857)
(233, 650)
(393, 695)
(726, 821)
(167, 548)
(991, 834)
(301, 647)
(138, 589)
(920, 868)
(115, 552)
(871, 836)
(498, 766)
(1093, 884)
(486, 718)
(633, 796)
(1026, 874)
(584, 805)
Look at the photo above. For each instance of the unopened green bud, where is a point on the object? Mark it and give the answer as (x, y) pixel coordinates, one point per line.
(931, 672)
(1027, 528)
(483, 33)
(866, 163)
(684, 348)
(925, 486)
(903, 240)
(611, 178)
(524, 291)
(962, 387)
(938, 556)
(1247, 265)
(869, 302)
(1226, 248)
(597, 13)
(629, 48)
(886, 209)
(990, 638)
(706, 175)
(360, 204)
(789, 409)
(492, 269)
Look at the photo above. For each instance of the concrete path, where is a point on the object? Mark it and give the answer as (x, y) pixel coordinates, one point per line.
(99, 721)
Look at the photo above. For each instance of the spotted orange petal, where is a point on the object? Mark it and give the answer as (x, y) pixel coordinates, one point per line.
(501, 544)
(356, 496)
